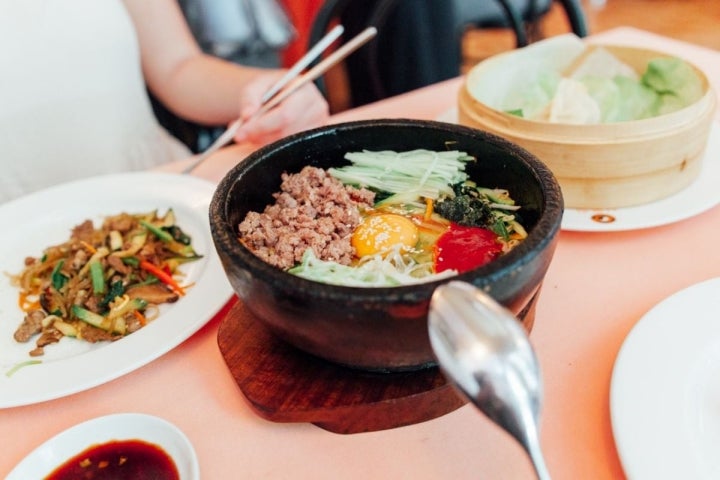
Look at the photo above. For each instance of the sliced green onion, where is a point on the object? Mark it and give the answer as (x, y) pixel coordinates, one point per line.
(132, 261)
(157, 231)
(20, 365)
(178, 234)
(117, 289)
(97, 277)
(166, 237)
(89, 317)
(58, 279)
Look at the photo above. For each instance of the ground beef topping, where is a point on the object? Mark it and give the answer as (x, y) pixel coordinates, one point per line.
(312, 210)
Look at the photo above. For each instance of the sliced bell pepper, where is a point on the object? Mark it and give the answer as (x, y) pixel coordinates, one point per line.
(162, 275)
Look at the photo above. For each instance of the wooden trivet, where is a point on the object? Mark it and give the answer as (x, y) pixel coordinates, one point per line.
(284, 384)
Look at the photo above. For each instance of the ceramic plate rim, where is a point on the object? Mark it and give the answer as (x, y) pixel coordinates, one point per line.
(698, 197)
(650, 435)
(190, 197)
(119, 426)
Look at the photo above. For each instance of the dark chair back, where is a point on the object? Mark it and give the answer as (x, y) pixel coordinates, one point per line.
(416, 44)
(419, 41)
(522, 16)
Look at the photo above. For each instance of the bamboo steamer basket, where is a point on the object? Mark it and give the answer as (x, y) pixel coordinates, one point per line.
(608, 165)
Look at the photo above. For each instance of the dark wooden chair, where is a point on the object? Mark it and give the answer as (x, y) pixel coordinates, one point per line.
(419, 41)
(522, 16)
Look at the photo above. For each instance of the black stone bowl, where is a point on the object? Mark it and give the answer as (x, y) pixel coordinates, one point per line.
(380, 329)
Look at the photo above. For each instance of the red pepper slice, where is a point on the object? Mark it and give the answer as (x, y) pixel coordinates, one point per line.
(162, 276)
(465, 248)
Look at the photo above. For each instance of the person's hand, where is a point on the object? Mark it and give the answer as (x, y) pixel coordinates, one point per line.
(304, 109)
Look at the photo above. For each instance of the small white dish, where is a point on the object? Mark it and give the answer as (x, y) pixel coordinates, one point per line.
(122, 426)
(664, 392)
(697, 198)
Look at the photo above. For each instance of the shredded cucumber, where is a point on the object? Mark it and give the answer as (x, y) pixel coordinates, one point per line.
(412, 174)
(388, 269)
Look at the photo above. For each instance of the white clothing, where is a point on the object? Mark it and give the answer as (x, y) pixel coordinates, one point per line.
(73, 101)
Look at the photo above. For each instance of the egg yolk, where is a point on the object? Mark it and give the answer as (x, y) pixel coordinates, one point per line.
(378, 233)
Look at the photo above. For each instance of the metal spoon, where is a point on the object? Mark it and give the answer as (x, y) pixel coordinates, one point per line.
(484, 350)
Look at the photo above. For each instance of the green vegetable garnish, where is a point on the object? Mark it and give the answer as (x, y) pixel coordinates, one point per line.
(474, 206)
(58, 279)
(20, 365)
(412, 175)
(178, 235)
(97, 277)
(116, 290)
(467, 210)
(157, 231)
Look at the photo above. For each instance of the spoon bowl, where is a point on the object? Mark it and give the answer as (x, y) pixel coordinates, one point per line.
(484, 351)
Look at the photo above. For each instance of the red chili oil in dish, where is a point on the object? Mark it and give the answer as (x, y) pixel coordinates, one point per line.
(464, 248)
(118, 460)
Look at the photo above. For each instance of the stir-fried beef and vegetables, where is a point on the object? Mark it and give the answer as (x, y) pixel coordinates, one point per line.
(103, 283)
(389, 218)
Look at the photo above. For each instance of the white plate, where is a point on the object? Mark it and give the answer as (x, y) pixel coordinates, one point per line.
(123, 426)
(45, 218)
(698, 197)
(665, 389)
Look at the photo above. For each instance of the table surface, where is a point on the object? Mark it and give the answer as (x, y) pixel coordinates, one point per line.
(598, 286)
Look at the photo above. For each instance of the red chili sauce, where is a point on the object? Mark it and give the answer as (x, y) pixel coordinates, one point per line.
(464, 248)
(118, 460)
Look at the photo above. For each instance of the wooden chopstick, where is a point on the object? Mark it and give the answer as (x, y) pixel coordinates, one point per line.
(306, 60)
(346, 49)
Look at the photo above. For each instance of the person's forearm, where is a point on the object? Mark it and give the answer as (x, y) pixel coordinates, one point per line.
(193, 85)
(205, 89)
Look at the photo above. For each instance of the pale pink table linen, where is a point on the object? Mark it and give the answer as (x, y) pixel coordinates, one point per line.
(598, 286)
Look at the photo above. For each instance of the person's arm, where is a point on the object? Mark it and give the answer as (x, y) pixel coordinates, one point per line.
(209, 90)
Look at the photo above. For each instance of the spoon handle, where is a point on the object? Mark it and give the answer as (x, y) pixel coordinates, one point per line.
(538, 460)
(483, 349)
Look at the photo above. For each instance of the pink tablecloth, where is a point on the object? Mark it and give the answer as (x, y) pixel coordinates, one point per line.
(598, 286)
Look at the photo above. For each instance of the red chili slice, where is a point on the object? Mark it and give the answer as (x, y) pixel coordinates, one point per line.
(464, 248)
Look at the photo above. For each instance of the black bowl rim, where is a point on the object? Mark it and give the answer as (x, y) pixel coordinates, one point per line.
(542, 234)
